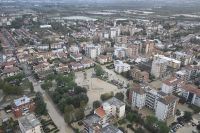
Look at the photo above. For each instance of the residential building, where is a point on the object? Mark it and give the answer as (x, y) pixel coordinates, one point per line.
(42, 67)
(93, 51)
(191, 93)
(159, 68)
(166, 107)
(192, 71)
(182, 74)
(62, 68)
(120, 52)
(138, 97)
(76, 57)
(122, 39)
(57, 45)
(111, 107)
(99, 121)
(102, 59)
(151, 98)
(139, 75)
(92, 124)
(173, 63)
(86, 63)
(45, 26)
(29, 124)
(172, 85)
(110, 129)
(43, 47)
(149, 47)
(75, 66)
(74, 49)
(121, 67)
(132, 51)
(10, 71)
(114, 32)
(185, 58)
(156, 100)
(23, 106)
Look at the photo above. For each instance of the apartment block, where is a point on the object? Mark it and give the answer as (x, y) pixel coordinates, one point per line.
(166, 107)
(23, 106)
(163, 104)
(121, 67)
(29, 124)
(93, 51)
(172, 85)
(191, 93)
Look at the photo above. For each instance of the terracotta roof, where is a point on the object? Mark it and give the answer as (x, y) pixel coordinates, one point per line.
(168, 99)
(10, 70)
(100, 112)
(173, 81)
(192, 89)
(102, 57)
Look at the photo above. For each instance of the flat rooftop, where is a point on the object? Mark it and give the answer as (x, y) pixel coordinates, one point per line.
(115, 101)
(29, 121)
(110, 129)
(22, 100)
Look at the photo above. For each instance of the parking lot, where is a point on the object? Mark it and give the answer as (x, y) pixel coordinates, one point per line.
(186, 129)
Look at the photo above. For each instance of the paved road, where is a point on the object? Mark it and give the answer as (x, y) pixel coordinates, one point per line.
(53, 112)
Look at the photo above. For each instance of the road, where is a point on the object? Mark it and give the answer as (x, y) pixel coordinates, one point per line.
(53, 112)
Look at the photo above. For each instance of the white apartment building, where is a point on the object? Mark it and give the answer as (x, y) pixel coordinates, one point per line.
(93, 51)
(163, 104)
(170, 61)
(120, 52)
(111, 107)
(121, 67)
(151, 98)
(114, 32)
(159, 68)
(74, 49)
(29, 124)
(185, 59)
(138, 98)
(191, 94)
(166, 107)
(172, 85)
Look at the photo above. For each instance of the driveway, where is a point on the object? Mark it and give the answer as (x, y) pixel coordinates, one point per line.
(53, 112)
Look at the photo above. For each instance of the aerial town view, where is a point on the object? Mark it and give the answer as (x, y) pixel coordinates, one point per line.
(99, 66)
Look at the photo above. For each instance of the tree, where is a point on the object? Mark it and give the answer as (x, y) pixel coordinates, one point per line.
(46, 85)
(96, 104)
(40, 104)
(61, 104)
(139, 130)
(17, 23)
(98, 70)
(120, 96)
(187, 116)
(79, 114)
(178, 112)
(31, 86)
(68, 113)
(106, 96)
(10, 89)
(154, 125)
(198, 127)
(1, 48)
